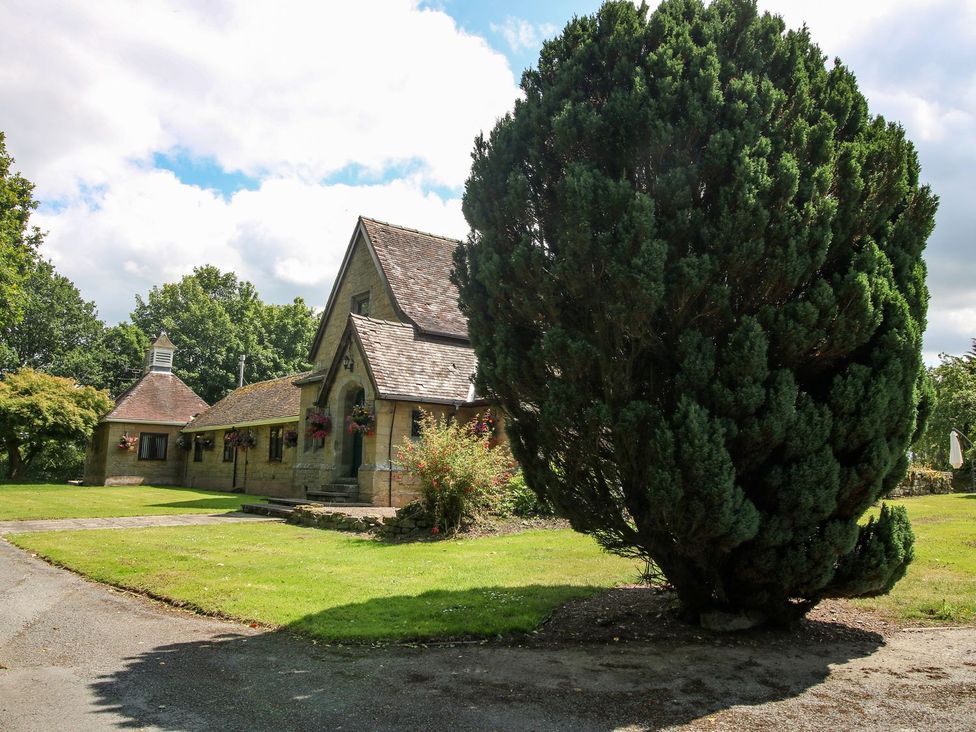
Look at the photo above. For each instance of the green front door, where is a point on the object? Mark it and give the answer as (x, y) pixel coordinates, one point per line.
(357, 439)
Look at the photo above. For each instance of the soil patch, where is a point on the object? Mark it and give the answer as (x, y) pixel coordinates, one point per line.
(640, 614)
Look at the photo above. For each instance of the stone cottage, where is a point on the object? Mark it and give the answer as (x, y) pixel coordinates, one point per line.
(135, 443)
(391, 342)
(247, 441)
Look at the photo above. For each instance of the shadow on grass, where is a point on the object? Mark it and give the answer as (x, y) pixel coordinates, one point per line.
(231, 503)
(280, 680)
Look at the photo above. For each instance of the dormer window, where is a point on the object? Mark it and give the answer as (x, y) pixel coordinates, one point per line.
(360, 304)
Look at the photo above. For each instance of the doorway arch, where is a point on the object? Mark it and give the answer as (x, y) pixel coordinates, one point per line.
(352, 442)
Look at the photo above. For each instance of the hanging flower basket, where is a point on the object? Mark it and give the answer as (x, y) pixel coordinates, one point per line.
(240, 438)
(205, 443)
(362, 420)
(319, 426)
(290, 438)
(184, 441)
(485, 425)
(127, 442)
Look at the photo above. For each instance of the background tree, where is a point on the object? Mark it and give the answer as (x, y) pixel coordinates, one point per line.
(59, 333)
(694, 282)
(18, 241)
(37, 410)
(122, 353)
(955, 406)
(213, 318)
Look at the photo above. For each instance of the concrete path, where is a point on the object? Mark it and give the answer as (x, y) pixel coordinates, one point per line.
(75, 655)
(128, 522)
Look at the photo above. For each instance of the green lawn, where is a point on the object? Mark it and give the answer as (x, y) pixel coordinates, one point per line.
(342, 586)
(941, 582)
(41, 501)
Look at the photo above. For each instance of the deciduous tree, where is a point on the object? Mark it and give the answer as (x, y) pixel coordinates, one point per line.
(37, 409)
(18, 240)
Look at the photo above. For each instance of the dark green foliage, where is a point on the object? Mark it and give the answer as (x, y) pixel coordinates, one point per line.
(213, 318)
(59, 332)
(18, 241)
(694, 282)
(520, 500)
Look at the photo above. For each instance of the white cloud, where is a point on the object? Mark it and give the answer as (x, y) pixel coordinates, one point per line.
(287, 237)
(521, 35)
(290, 88)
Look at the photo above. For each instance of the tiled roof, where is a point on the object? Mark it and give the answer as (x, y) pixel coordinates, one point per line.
(407, 367)
(418, 267)
(260, 402)
(162, 341)
(157, 397)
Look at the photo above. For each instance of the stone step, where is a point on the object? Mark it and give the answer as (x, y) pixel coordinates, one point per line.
(268, 509)
(333, 496)
(346, 480)
(290, 501)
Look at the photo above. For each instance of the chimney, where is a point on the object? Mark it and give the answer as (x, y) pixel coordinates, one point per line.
(160, 355)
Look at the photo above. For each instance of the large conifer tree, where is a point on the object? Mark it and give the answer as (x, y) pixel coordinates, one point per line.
(694, 282)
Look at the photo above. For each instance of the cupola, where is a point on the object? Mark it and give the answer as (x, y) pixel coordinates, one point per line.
(160, 355)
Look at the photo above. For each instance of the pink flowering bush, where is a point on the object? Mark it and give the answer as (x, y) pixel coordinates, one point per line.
(461, 474)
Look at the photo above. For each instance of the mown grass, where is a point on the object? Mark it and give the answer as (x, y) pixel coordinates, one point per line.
(341, 586)
(941, 583)
(21, 501)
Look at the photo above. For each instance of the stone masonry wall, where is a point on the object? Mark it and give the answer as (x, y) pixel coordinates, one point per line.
(256, 473)
(106, 464)
(923, 482)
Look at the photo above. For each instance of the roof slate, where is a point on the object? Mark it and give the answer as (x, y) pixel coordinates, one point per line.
(418, 267)
(157, 397)
(405, 366)
(260, 402)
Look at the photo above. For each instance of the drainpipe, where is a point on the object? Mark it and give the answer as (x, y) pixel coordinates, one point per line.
(389, 458)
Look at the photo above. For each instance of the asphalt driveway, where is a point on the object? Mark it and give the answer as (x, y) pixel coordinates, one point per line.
(75, 655)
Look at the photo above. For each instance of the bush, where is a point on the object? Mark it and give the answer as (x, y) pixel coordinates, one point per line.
(520, 500)
(461, 474)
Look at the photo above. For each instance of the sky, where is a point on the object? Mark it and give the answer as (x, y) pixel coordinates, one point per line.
(248, 135)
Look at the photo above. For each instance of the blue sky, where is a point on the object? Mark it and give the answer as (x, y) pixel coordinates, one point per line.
(163, 136)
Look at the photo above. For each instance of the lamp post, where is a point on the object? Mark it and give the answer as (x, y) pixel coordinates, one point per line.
(955, 453)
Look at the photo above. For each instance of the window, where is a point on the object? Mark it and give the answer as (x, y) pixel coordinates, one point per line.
(415, 418)
(360, 304)
(152, 446)
(197, 449)
(276, 445)
(228, 450)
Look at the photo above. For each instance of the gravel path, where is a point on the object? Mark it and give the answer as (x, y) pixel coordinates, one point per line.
(75, 655)
(128, 522)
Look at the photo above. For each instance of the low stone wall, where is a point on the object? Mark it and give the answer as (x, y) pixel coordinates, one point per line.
(322, 517)
(409, 522)
(924, 482)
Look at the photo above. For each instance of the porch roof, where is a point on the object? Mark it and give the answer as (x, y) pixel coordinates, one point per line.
(405, 366)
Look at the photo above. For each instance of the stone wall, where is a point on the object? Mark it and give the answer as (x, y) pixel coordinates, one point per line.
(107, 464)
(361, 276)
(321, 517)
(924, 482)
(255, 473)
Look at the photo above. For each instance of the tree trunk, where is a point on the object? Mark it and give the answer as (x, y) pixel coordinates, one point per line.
(15, 466)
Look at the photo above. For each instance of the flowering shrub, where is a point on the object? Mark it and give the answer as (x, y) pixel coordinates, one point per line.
(240, 438)
(127, 442)
(460, 473)
(361, 419)
(290, 438)
(319, 426)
